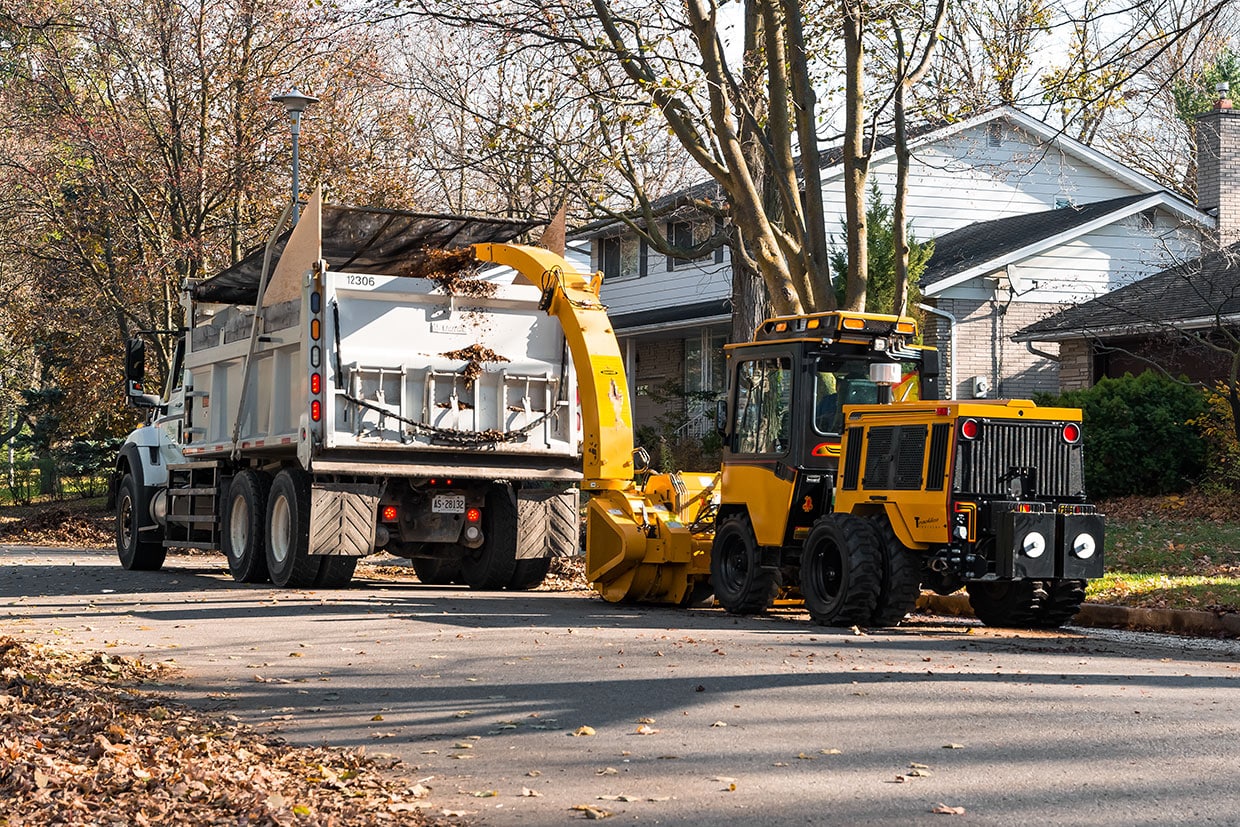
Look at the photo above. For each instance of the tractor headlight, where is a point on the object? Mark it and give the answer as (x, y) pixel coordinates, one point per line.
(1034, 544)
(1084, 546)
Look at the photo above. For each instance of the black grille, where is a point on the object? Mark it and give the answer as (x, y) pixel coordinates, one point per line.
(910, 457)
(1005, 450)
(894, 457)
(878, 457)
(852, 460)
(940, 442)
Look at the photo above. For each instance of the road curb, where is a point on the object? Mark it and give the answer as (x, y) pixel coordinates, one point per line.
(1171, 621)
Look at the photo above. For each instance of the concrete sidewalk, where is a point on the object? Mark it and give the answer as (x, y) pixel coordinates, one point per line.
(1172, 621)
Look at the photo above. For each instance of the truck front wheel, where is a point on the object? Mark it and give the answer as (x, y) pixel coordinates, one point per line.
(243, 526)
(840, 570)
(288, 532)
(139, 546)
(741, 585)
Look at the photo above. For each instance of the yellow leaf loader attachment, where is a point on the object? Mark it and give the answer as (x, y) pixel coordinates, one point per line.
(648, 541)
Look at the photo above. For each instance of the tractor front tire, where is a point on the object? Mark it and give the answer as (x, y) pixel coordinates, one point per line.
(740, 584)
(1015, 604)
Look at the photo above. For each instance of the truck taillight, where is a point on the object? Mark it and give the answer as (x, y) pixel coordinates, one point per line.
(390, 514)
(316, 383)
(316, 410)
(1071, 433)
(473, 515)
(970, 429)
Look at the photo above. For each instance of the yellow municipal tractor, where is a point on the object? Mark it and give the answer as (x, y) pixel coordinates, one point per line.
(845, 481)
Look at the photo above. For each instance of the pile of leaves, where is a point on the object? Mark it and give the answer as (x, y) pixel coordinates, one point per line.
(80, 743)
(453, 271)
(84, 524)
(474, 357)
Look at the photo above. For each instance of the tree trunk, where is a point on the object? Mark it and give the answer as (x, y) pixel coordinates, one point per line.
(856, 161)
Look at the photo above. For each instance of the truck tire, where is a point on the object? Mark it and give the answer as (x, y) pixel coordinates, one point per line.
(243, 529)
(840, 570)
(491, 566)
(437, 571)
(741, 585)
(1014, 604)
(138, 550)
(288, 532)
(336, 571)
(529, 574)
(900, 580)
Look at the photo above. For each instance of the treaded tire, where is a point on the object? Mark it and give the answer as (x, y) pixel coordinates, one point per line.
(529, 574)
(1064, 599)
(491, 566)
(288, 532)
(741, 586)
(1016, 604)
(243, 529)
(138, 550)
(840, 570)
(336, 571)
(900, 581)
(437, 571)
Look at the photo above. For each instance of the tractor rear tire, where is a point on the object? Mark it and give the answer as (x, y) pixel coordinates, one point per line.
(1016, 604)
(741, 585)
(139, 546)
(491, 566)
(243, 530)
(841, 570)
(1064, 599)
(900, 584)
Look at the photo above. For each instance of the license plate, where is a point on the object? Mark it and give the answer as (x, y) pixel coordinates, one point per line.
(448, 503)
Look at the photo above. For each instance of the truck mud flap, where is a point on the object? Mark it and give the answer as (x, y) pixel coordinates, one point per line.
(343, 518)
(548, 523)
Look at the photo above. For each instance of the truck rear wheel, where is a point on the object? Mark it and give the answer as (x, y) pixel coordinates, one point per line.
(437, 571)
(741, 585)
(492, 565)
(138, 549)
(840, 570)
(529, 574)
(900, 584)
(243, 527)
(288, 532)
(336, 571)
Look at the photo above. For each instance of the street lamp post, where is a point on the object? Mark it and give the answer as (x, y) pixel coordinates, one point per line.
(295, 103)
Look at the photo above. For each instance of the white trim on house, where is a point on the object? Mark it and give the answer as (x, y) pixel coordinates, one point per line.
(1196, 323)
(668, 327)
(1155, 199)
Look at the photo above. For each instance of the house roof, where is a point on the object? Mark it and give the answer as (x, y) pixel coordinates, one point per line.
(1196, 293)
(988, 245)
(831, 162)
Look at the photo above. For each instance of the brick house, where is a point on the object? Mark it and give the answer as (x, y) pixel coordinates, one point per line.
(1169, 318)
(673, 317)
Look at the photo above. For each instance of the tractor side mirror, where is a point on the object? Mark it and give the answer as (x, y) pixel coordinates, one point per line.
(721, 418)
(135, 370)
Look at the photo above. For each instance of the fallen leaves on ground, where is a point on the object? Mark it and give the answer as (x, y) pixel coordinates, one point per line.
(82, 743)
(592, 812)
(946, 810)
(77, 523)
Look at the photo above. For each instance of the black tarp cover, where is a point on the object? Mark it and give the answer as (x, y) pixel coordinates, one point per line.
(367, 240)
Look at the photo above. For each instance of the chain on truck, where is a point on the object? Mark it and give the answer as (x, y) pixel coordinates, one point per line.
(323, 405)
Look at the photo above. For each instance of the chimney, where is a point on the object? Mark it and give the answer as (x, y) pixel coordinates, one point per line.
(1218, 165)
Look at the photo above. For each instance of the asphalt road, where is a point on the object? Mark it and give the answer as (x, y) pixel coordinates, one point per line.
(747, 721)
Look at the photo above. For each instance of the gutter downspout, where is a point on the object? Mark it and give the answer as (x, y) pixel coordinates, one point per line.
(1029, 346)
(951, 322)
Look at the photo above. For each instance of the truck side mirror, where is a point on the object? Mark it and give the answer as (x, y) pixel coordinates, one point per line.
(135, 370)
(721, 418)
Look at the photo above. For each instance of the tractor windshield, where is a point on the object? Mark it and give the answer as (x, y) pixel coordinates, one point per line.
(843, 382)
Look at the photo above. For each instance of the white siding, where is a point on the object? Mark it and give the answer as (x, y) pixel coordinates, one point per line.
(660, 288)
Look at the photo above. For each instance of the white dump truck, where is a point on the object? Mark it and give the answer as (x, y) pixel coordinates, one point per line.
(355, 386)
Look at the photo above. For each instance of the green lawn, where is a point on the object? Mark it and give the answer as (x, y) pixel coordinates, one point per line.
(1162, 560)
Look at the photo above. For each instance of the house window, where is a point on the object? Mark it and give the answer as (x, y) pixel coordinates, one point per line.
(621, 256)
(763, 405)
(685, 234)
